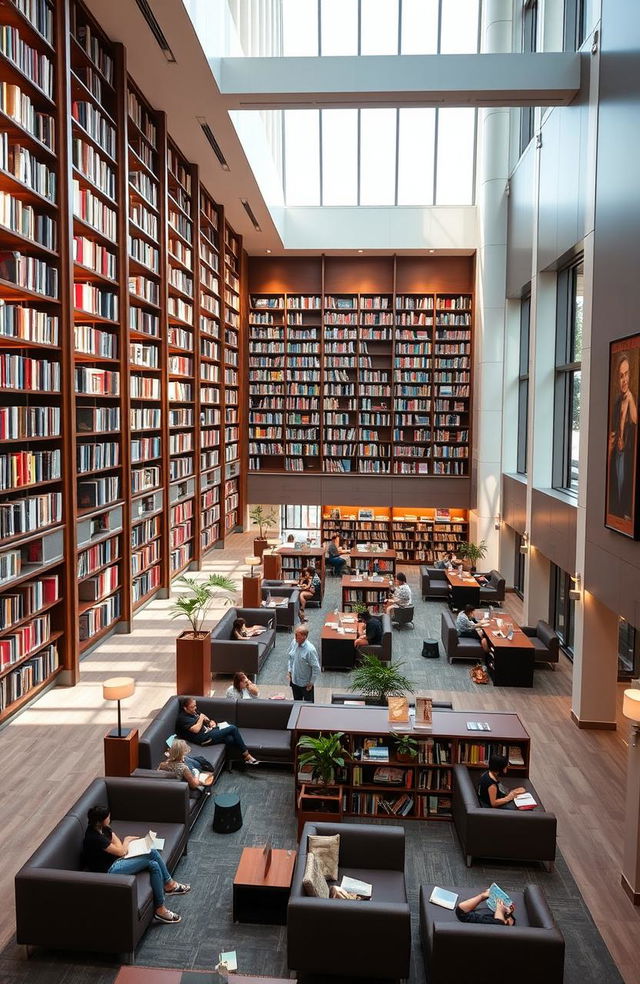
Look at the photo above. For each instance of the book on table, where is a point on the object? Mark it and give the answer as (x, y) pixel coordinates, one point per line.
(440, 896)
(363, 889)
(525, 801)
(495, 894)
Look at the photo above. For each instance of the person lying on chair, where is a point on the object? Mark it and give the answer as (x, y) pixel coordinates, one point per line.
(193, 726)
(503, 916)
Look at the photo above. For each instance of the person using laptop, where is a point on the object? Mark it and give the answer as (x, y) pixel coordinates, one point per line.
(468, 626)
(240, 629)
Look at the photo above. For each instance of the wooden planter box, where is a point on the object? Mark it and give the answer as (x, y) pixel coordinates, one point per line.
(260, 546)
(193, 664)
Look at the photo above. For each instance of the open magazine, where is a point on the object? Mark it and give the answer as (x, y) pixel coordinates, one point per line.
(143, 845)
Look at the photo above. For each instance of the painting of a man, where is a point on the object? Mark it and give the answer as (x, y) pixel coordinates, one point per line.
(623, 435)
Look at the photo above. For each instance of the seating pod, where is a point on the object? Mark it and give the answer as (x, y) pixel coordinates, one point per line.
(546, 642)
(455, 646)
(228, 655)
(357, 940)
(492, 593)
(286, 615)
(63, 907)
(434, 584)
(510, 835)
(455, 951)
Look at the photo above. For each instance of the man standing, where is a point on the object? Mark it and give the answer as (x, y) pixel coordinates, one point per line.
(622, 444)
(303, 667)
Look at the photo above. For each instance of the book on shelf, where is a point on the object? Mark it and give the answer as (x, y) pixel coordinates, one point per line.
(515, 755)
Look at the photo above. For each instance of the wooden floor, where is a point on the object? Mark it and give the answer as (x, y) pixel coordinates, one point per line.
(53, 750)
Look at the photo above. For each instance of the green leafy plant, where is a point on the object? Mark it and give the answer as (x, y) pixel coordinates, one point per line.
(195, 603)
(358, 607)
(264, 519)
(373, 678)
(473, 552)
(324, 754)
(407, 746)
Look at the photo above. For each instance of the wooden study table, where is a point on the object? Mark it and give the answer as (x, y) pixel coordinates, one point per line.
(511, 661)
(368, 558)
(463, 589)
(365, 591)
(337, 650)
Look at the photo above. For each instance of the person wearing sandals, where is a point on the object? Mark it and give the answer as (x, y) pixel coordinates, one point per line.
(310, 586)
(201, 730)
(104, 852)
(181, 765)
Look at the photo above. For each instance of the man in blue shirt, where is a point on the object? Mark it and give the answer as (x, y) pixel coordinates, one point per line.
(303, 665)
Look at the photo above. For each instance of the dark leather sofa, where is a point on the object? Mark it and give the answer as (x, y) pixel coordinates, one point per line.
(228, 655)
(263, 724)
(357, 940)
(454, 646)
(492, 593)
(434, 584)
(60, 906)
(384, 650)
(545, 641)
(455, 951)
(510, 835)
(316, 602)
(286, 615)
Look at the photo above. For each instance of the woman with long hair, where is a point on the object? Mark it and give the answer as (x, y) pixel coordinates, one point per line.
(185, 767)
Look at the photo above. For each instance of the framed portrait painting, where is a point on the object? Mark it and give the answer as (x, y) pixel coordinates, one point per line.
(621, 500)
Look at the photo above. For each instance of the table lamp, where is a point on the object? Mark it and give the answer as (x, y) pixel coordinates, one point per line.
(117, 688)
(252, 562)
(631, 710)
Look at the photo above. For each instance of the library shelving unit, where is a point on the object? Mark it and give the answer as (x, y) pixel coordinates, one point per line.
(147, 348)
(181, 376)
(354, 530)
(231, 441)
(303, 383)
(413, 384)
(451, 384)
(99, 205)
(375, 394)
(266, 337)
(424, 785)
(341, 373)
(210, 362)
(419, 536)
(35, 643)
(373, 594)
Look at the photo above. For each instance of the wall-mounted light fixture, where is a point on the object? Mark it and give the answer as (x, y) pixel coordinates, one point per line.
(631, 710)
(498, 522)
(524, 546)
(575, 593)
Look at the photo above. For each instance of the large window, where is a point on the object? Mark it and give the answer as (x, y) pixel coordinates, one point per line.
(575, 23)
(523, 385)
(518, 567)
(529, 45)
(301, 521)
(566, 431)
(562, 609)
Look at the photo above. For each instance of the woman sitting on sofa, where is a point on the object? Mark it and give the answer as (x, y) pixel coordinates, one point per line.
(105, 852)
(242, 688)
(181, 764)
(240, 629)
(491, 792)
(310, 587)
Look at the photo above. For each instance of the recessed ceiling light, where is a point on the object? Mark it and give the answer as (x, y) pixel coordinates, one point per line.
(432, 250)
(361, 251)
(267, 250)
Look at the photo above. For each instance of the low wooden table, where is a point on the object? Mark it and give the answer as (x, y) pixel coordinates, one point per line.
(337, 650)
(161, 975)
(260, 897)
(511, 661)
(463, 590)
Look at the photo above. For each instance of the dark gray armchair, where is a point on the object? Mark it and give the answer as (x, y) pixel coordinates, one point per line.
(434, 583)
(384, 650)
(228, 655)
(545, 641)
(359, 940)
(493, 591)
(457, 647)
(287, 614)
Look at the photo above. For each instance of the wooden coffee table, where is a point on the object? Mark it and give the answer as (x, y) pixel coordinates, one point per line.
(161, 975)
(511, 661)
(464, 588)
(260, 897)
(337, 650)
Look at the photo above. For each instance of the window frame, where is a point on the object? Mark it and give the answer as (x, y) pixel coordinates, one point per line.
(519, 566)
(300, 513)
(523, 384)
(567, 369)
(561, 606)
(575, 24)
(529, 46)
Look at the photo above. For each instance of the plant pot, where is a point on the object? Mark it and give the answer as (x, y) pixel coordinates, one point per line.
(405, 757)
(260, 545)
(193, 664)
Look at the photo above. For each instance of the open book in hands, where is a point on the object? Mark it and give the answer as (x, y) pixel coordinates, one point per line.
(143, 845)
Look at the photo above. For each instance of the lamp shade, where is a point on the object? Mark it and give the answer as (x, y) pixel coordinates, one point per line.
(631, 705)
(117, 688)
(252, 561)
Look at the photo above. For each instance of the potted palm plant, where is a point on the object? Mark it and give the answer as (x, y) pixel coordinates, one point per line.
(265, 520)
(324, 754)
(193, 646)
(379, 680)
(471, 553)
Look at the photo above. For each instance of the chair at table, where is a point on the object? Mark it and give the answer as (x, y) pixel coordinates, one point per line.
(402, 616)
(545, 641)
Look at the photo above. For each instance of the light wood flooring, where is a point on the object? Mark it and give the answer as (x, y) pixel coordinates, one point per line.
(51, 751)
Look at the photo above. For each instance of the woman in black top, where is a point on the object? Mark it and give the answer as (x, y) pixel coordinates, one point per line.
(105, 852)
(369, 631)
(490, 790)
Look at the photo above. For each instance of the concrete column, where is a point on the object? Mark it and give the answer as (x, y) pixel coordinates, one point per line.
(493, 164)
(593, 701)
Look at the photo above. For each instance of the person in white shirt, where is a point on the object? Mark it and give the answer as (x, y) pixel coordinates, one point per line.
(401, 597)
(242, 688)
(303, 665)
(467, 626)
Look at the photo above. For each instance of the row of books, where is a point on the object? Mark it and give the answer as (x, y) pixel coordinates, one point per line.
(18, 105)
(20, 468)
(28, 598)
(25, 422)
(145, 531)
(93, 167)
(99, 617)
(96, 556)
(26, 168)
(20, 681)
(30, 513)
(24, 220)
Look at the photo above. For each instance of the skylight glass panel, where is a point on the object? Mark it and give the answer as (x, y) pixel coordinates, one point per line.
(299, 28)
(419, 29)
(377, 156)
(416, 146)
(302, 156)
(454, 178)
(339, 27)
(379, 27)
(459, 27)
(339, 156)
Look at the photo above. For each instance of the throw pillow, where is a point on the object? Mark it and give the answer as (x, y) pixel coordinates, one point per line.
(326, 849)
(313, 881)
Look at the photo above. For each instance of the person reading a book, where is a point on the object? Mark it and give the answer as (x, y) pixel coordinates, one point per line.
(309, 585)
(467, 626)
(240, 629)
(180, 764)
(369, 631)
(503, 915)
(193, 726)
(401, 597)
(104, 852)
(242, 688)
(448, 562)
(491, 792)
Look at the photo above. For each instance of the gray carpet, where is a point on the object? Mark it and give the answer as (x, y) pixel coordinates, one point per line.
(268, 811)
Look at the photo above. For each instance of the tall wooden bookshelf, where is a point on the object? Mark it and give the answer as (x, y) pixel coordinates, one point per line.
(116, 354)
(419, 536)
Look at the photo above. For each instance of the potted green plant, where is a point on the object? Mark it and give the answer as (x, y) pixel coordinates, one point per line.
(358, 608)
(193, 646)
(471, 553)
(406, 748)
(324, 754)
(265, 520)
(379, 680)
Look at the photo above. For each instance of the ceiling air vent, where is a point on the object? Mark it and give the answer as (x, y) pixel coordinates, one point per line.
(156, 30)
(251, 214)
(215, 146)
